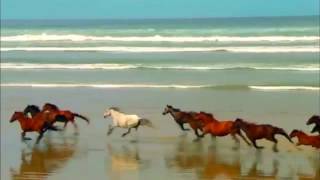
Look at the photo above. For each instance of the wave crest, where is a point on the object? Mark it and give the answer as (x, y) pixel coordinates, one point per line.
(156, 67)
(253, 49)
(176, 86)
(155, 38)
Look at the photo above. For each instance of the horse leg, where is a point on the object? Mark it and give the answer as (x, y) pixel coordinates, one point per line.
(197, 133)
(275, 145)
(234, 137)
(255, 144)
(40, 136)
(183, 129)
(124, 134)
(111, 128)
(245, 139)
(23, 136)
(76, 132)
(65, 125)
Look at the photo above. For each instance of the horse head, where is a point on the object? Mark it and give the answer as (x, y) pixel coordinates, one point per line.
(238, 122)
(49, 106)
(314, 119)
(295, 133)
(167, 110)
(15, 116)
(108, 111)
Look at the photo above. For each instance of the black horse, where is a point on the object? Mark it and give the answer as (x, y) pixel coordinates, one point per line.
(315, 119)
(32, 109)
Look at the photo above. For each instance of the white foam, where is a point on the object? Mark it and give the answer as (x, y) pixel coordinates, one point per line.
(111, 66)
(65, 66)
(156, 38)
(254, 49)
(177, 86)
(102, 85)
(277, 88)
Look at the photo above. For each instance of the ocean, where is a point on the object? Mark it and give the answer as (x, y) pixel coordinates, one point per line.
(265, 70)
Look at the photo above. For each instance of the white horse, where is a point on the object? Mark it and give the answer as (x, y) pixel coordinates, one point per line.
(125, 121)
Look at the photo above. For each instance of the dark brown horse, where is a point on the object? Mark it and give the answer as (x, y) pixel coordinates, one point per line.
(261, 131)
(315, 119)
(182, 117)
(305, 139)
(179, 116)
(38, 124)
(219, 128)
(69, 116)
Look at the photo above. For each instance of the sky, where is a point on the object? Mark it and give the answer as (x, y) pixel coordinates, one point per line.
(127, 9)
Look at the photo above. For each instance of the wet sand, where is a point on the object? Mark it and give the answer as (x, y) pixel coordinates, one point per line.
(164, 152)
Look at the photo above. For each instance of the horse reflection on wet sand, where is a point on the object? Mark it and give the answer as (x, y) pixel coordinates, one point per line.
(216, 163)
(39, 163)
(125, 160)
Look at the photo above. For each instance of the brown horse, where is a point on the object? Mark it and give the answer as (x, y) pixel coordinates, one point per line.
(182, 117)
(305, 139)
(315, 119)
(38, 124)
(179, 116)
(219, 128)
(262, 131)
(69, 116)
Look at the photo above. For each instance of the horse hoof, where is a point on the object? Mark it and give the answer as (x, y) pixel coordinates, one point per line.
(26, 139)
(235, 148)
(196, 140)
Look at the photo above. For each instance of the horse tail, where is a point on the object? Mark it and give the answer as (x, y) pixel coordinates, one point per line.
(146, 122)
(81, 117)
(282, 132)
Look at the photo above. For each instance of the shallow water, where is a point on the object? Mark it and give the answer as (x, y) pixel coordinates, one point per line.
(164, 152)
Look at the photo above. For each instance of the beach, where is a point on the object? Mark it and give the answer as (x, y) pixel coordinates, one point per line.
(262, 70)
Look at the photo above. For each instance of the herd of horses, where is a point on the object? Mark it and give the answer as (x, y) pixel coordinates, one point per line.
(208, 124)
(34, 119)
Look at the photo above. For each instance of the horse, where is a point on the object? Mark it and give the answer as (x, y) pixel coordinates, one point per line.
(32, 109)
(126, 121)
(305, 139)
(262, 131)
(219, 128)
(69, 116)
(180, 117)
(315, 119)
(37, 124)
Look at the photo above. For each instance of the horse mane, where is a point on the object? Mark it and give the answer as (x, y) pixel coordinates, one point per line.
(174, 109)
(208, 114)
(52, 106)
(35, 107)
(115, 108)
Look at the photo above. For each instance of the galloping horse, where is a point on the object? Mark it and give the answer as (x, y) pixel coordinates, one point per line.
(262, 131)
(179, 116)
(125, 121)
(219, 128)
(316, 120)
(69, 116)
(38, 124)
(304, 139)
